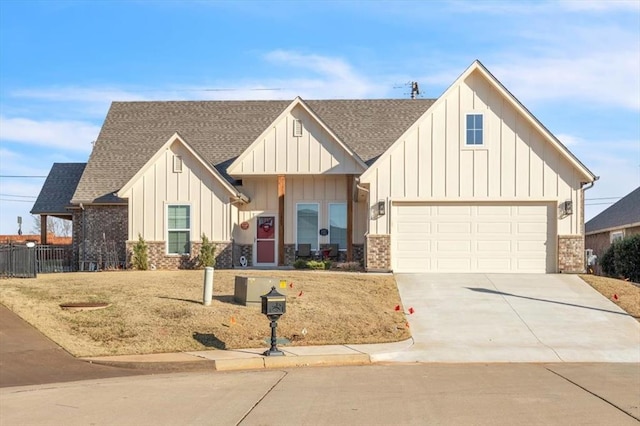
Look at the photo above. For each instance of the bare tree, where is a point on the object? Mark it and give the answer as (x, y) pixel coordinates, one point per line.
(59, 227)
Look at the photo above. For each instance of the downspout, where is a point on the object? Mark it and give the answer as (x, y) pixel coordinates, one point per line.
(84, 238)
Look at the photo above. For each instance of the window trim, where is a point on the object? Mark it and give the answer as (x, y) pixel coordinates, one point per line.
(466, 143)
(177, 164)
(337, 203)
(317, 204)
(616, 236)
(167, 230)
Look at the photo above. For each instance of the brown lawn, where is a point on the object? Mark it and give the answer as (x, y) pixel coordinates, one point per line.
(162, 311)
(628, 294)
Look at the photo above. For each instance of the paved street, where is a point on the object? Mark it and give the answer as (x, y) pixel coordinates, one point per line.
(414, 394)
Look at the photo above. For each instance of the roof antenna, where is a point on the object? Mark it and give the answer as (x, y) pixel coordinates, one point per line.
(415, 91)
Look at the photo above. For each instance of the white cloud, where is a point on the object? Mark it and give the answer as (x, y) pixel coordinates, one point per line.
(66, 135)
(569, 140)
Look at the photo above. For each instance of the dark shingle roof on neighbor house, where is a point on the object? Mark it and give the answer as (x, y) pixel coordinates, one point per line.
(58, 189)
(624, 212)
(221, 130)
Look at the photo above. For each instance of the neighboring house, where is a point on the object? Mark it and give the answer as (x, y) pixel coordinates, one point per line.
(35, 238)
(619, 220)
(470, 182)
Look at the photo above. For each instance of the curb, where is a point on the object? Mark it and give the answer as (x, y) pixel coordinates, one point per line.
(241, 363)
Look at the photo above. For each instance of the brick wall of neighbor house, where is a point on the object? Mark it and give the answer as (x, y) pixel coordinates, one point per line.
(601, 241)
(245, 250)
(378, 252)
(571, 254)
(158, 259)
(104, 232)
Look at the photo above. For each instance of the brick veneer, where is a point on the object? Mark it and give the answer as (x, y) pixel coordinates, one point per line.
(105, 228)
(378, 253)
(245, 250)
(571, 253)
(158, 259)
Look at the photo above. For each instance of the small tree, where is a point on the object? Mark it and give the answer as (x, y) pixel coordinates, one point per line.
(207, 253)
(140, 258)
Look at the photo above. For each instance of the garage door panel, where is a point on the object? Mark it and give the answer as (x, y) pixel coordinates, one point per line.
(480, 237)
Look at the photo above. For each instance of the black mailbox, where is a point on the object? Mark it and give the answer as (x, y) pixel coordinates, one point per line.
(274, 305)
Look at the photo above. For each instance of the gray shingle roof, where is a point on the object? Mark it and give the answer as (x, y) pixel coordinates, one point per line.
(624, 212)
(221, 130)
(58, 188)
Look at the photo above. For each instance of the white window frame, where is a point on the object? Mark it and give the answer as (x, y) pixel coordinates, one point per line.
(166, 248)
(329, 222)
(317, 204)
(616, 236)
(466, 143)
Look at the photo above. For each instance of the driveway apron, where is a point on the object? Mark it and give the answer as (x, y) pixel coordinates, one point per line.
(513, 318)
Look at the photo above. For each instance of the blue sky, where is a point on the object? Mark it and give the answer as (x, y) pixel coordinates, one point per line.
(574, 64)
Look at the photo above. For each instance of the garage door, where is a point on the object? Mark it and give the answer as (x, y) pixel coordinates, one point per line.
(473, 238)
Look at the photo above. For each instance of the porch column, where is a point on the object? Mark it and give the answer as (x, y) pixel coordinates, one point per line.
(349, 218)
(281, 192)
(43, 229)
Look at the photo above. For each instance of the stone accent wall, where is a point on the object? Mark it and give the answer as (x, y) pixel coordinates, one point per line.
(245, 250)
(158, 259)
(99, 242)
(358, 253)
(378, 253)
(289, 254)
(571, 254)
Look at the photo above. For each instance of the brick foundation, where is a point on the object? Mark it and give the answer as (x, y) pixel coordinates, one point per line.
(158, 259)
(378, 253)
(289, 254)
(245, 250)
(571, 253)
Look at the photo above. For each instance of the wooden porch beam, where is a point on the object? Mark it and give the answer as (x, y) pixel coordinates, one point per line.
(281, 194)
(349, 218)
(43, 229)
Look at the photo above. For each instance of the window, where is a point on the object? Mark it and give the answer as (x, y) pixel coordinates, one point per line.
(179, 229)
(474, 129)
(307, 226)
(297, 128)
(338, 225)
(616, 236)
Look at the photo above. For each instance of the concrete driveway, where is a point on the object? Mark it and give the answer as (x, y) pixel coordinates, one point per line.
(513, 318)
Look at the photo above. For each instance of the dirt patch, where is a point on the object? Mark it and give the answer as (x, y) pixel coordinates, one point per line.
(622, 293)
(162, 311)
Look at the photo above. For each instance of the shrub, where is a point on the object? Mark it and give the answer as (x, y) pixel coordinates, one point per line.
(140, 258)
(312, 264)
(626, 259)
(622, 259)
(300, 264)
(207, 253)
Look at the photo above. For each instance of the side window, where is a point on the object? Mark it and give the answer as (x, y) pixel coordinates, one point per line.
(338, 225)
(616, 236)
(475, 129)
(178, 229)
(307, 224)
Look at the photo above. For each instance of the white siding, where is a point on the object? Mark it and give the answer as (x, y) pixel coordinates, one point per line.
(516, 162)
(159, 186)
(279, 152)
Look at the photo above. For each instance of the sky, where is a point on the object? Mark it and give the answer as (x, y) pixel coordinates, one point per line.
(574, 64)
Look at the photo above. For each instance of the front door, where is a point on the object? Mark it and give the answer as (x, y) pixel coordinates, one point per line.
(266, 240)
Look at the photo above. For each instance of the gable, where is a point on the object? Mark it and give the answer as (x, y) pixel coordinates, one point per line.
(297, 142)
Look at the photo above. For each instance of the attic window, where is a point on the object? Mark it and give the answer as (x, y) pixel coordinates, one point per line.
(297, 128)
(177, 164)
(475, 128)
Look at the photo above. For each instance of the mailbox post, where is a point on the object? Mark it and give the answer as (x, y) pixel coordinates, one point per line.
(274, 305)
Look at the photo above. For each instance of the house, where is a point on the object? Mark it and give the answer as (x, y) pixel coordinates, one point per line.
(468, 182)
(619, 220)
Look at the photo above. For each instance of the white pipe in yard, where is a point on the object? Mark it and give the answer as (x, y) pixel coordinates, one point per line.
(208, 286)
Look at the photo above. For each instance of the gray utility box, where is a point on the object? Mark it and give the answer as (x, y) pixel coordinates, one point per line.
(249, 289)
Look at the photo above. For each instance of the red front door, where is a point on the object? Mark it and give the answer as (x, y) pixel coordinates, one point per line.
(266, 240)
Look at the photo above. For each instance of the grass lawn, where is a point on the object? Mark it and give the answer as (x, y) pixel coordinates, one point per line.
(162, 311)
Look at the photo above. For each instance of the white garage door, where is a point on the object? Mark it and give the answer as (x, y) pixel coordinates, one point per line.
(473, 238)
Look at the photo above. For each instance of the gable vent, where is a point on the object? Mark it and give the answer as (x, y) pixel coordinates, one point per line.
(177, 164)
(297, 128)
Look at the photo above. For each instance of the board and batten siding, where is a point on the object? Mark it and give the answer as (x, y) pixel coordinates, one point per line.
(323, 190)
(159, 186)
(278, 151)
(516, 163)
